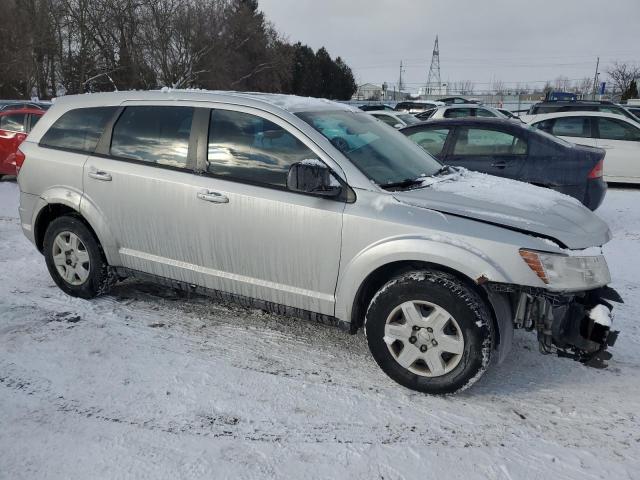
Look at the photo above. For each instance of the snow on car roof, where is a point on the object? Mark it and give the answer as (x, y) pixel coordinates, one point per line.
(291, 103)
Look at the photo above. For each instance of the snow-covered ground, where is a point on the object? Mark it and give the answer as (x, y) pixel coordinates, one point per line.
(145, 384)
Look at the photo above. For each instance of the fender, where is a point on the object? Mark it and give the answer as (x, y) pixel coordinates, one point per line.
(450, 253)
(75, 200)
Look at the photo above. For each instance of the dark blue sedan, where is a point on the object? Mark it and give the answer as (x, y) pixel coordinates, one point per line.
(515, 150)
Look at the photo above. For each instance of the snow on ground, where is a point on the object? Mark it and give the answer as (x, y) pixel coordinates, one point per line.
(145, 384)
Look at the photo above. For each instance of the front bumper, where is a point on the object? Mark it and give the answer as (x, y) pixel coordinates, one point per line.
(576, 325)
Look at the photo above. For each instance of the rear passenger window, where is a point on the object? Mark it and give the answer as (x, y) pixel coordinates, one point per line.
(13, 123)
(250, 148)
(572, 127)
(153, 134)
(78, 129)
(481, 112)
(477, 141)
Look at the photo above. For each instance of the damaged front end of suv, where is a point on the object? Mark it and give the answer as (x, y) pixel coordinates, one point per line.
(572, 315)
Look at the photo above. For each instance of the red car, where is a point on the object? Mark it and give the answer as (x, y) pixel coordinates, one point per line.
(14, 127)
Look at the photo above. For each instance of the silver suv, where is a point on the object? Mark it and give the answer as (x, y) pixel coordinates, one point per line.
(312, 208)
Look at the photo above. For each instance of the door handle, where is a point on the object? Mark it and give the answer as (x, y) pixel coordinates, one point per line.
(213, 197)
(499, 164)
(100, 175)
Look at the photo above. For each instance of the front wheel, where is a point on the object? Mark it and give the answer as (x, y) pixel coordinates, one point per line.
(75, 259)
(430, 332)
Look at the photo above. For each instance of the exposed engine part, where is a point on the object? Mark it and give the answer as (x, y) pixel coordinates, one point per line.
(563, 322)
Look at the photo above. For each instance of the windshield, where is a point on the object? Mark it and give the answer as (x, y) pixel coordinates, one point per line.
(381, 153)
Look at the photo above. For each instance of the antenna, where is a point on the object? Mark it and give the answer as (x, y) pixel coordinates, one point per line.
(400, 83)
(433, 79)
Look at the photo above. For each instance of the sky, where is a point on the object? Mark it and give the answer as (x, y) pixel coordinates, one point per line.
(512, 41)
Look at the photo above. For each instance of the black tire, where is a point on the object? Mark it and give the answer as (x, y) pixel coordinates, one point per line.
(471, 317)
(98, 280)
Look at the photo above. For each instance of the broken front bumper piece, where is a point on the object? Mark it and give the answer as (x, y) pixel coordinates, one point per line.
(576, 326)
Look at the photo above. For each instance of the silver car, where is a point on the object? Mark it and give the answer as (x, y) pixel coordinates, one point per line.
(314, 209)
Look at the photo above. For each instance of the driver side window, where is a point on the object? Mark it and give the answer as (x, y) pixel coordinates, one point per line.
(249, 148)
(611, 129)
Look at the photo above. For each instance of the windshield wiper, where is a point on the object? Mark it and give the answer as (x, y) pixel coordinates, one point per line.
(406, 183)
(443, 169)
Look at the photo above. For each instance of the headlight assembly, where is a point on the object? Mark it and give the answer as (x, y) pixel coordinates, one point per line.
(564, 272)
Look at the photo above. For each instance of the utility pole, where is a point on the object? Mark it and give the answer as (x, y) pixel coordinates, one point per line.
(400, 84)
(595, 79)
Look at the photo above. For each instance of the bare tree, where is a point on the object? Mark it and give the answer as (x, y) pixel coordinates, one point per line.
(622, 74)
(499, 87)
(464, 87)
(562, 84)
(583, 86)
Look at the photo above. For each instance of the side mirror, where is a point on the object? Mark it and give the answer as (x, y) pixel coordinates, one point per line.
(313, 176)
(398, 125)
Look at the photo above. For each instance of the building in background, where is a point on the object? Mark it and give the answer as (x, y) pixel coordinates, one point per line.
(378, 93)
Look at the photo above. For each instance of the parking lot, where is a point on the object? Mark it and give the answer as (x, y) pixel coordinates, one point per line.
(146, 383)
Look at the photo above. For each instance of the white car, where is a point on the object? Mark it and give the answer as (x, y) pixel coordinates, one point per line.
(461, 111)
(417, 106)
(617, 134)
(395, 119)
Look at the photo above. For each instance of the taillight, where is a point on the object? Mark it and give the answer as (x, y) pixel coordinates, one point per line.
(20, 158)
(596, 172)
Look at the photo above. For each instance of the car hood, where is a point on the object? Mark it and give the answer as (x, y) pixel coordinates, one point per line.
(515, 205)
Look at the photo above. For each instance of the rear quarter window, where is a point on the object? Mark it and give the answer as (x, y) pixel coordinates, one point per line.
(78, 129)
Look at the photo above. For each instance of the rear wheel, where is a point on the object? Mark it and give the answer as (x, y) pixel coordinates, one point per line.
(430, 332)
(75, 259)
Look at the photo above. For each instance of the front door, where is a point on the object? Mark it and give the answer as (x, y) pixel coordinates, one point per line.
(262, 240)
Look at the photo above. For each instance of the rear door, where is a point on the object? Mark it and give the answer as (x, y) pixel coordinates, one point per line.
(621, 140)
(13, 128)
(488, 150)
(141, 183)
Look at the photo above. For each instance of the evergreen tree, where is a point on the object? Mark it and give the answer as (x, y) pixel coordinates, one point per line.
(631, 91)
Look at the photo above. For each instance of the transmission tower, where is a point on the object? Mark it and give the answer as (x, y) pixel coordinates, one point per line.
(433, 79)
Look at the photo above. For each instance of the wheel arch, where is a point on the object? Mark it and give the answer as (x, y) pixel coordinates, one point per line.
(69, 202)
(362, 278)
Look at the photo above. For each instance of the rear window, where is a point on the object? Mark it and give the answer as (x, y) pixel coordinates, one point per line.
(78, 129)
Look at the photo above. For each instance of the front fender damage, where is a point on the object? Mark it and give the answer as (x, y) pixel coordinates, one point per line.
(571, 325)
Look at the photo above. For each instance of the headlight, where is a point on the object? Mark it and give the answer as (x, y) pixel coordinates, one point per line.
(563, 272)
